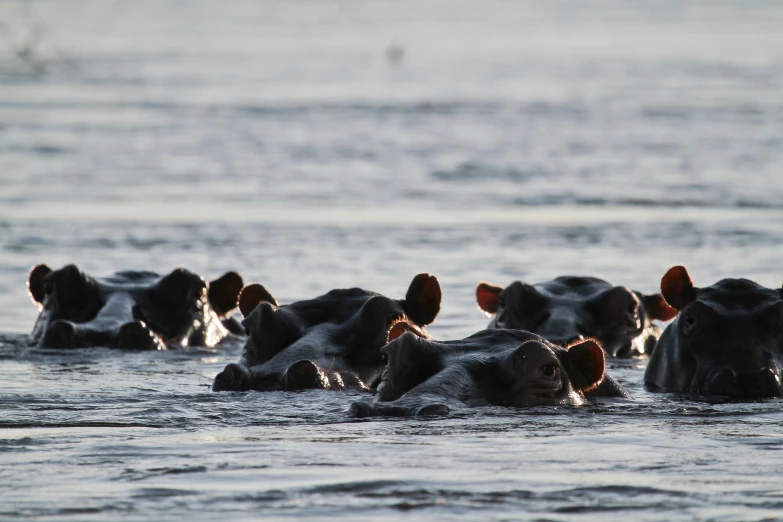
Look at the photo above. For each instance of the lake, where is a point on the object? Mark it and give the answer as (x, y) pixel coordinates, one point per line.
(318, 145)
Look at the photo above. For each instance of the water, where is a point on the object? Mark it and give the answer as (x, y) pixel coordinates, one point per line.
(514, 140)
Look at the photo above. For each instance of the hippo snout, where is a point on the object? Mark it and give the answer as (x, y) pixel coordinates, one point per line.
(761, 383)
(722, 382)
(305, 375)
(137, 336)
(61, 334)
(134, 335)
(234, 377)
(764, 382)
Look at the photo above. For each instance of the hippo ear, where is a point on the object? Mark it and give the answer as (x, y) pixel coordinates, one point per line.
(251, 296)
(180, 283)
(35, 282)
(488, 297)
(224, 292)
(587, 364)
(401, 327)
(657, 307)
(397, 329)
(422, 301)
(677, 287)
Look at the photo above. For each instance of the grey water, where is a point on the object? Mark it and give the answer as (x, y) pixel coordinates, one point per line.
(318, 145)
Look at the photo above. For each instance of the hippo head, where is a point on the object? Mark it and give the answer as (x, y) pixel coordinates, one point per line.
(505, 367)
(341, 331)
(538, 372)
(726, 340)
(133, 310)
(570, 309)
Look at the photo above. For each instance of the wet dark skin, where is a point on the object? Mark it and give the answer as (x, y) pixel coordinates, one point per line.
(330, 342)
(493, 367)
(573, 308)
(135, 310)
(727, 339)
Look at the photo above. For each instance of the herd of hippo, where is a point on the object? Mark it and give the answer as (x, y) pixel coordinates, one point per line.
(546, 343)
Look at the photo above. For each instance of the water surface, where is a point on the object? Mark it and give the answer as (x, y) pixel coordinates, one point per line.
(513, 141)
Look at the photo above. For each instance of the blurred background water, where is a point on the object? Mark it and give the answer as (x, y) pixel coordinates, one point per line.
(317, 145)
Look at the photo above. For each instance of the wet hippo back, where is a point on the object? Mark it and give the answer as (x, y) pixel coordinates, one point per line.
(727, 339)
(574, 308)
(130, 309)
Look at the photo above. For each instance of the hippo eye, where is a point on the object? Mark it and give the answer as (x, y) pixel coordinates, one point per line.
(501, 302)
(384, 358)
(48, 287)
(688, 323)
(549, 370)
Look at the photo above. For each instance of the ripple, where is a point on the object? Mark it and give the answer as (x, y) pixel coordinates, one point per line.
(478, 172)
(136, 475)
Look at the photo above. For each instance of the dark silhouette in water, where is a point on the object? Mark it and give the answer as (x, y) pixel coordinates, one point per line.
(502, 367)
(132, 309)
(329, 342)
(573, 308)
(726, 340)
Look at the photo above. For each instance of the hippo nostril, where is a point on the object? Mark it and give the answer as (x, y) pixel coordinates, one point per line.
(136, 336)
(763, 383)
(233, 378)
(61, 334)
(723, 382)
(770, 382)
(305, 375)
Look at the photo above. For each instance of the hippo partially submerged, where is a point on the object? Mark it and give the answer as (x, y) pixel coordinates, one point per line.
(500, 367)
(329, 342)
(727, 339)
(131, 309)
(573, 308)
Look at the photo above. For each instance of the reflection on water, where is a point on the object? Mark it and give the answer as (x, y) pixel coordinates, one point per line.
(514, 140)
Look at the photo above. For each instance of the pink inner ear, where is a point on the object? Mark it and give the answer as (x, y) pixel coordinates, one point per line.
(588, 359)
(658, 308)
(677, 286)
(487, 297)
(251, 296)
(397, 330)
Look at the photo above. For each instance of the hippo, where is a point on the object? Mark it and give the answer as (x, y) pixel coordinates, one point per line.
(492, 367)
(572, 308)
(727, 339)
(135, 310)
(330, 342)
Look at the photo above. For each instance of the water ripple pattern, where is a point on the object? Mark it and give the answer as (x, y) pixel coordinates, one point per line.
(320, 145)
